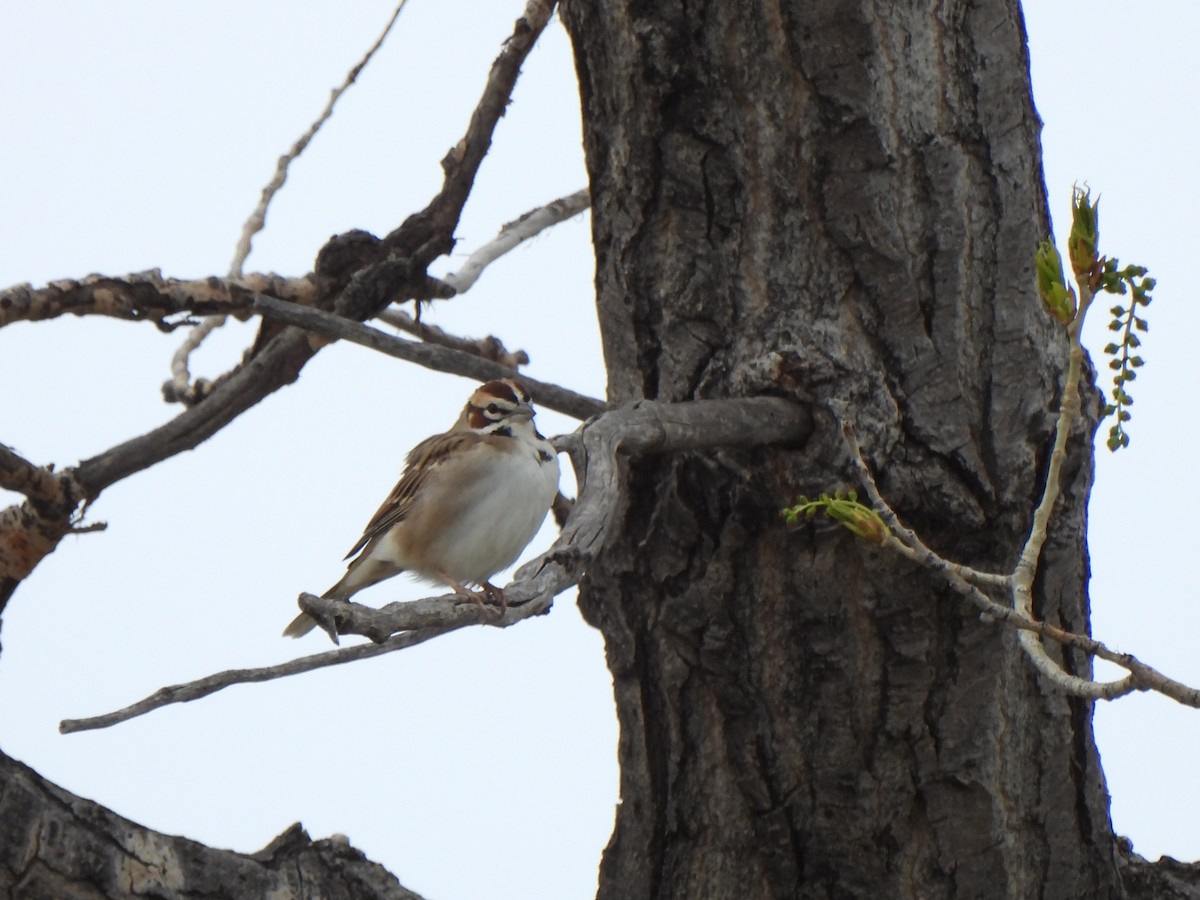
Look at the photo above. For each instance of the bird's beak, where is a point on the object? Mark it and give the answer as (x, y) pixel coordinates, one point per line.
(524, 412)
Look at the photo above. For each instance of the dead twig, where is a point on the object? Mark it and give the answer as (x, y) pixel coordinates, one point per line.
(515, 233)
(489, 348)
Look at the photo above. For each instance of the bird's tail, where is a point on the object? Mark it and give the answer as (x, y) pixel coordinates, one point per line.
(300, 626)
(362, 573)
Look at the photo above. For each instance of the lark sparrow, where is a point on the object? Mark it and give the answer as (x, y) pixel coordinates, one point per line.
(468, 502)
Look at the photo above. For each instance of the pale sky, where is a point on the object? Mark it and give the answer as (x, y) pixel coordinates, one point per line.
(139, 134)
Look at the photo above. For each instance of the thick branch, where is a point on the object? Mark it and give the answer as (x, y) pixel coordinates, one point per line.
(461, 164)
(596, 448)
(440, 359)
(56, 845)
(145, 296)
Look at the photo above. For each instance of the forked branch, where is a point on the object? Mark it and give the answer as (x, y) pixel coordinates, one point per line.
(968, 582)
(181, 387)
(357, 274)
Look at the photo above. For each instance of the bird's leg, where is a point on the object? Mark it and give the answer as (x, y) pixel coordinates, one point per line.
(490, 592)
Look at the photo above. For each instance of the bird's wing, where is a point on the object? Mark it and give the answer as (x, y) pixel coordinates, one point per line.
(422, 460)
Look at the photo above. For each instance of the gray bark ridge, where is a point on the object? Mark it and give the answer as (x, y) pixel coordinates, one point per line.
(57, 846)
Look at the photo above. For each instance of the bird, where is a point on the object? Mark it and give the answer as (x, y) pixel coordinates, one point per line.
(467, 503)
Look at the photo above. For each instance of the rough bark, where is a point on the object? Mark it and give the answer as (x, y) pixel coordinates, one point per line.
(56, 846)
(835, 201)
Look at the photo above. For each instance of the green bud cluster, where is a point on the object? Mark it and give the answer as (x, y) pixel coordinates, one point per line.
(844, 509)
(1134, 281)
(1058, 296)
(1095, 273)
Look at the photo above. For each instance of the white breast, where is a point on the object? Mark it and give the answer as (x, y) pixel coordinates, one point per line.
(492, 520)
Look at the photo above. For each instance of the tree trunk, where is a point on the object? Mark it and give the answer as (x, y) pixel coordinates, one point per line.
(836, 202)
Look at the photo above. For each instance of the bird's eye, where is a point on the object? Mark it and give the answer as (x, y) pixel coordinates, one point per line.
(493, 408)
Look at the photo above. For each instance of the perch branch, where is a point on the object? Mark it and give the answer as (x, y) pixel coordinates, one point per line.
(440, 359)
(595, 449)
(515, 233)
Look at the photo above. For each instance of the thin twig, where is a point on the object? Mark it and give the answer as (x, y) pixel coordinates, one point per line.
(1068, 411)
(1026, 568)
(490, 347)
(515, 233)
(905, 542)
(908, 544)
(181, 389)
(202, 687)
(258, 217)
(181, 377)
(440, 359)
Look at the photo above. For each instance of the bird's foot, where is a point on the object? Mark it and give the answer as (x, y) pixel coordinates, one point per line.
(496, 595)
(490, 594)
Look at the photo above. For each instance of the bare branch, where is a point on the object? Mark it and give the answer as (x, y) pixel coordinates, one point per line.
(145, 296)
(908, 544)
(515, 233)
(490, 347)
(645, 427)
(440, 359)
(461, 164)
